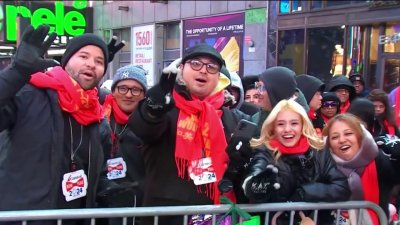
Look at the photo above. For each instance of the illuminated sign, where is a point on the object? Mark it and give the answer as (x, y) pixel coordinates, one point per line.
(64, 20)
(389, 39)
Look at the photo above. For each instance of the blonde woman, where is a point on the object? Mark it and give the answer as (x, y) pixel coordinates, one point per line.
(289, 164)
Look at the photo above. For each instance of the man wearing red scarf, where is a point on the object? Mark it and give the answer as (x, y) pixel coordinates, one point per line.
(184, 129)
(124, 160)
(52, 129)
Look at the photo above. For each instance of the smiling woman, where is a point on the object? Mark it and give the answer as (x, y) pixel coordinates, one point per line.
(365, 165)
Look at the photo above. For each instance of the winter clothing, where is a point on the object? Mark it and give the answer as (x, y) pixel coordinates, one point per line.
(29, 114)
(167, 181)
(363, 109)
(200, 50)
(279, 82)
(80, 41)
(309, 85)
(249, 82)
(341, 81)
(385, 172)
(130, 72)
(358, 77)
(311, 177)
(237, 83)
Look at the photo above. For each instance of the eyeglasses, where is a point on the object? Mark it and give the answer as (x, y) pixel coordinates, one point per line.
(342, 90)
(123, 90)
(197, 65)
(260, 87)
(329, 104)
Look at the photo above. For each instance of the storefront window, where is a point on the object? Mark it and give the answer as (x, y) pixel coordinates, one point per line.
(284, 6)
(325, 52)
(391, 39)
(336, 3)
(391, 74)
(172, 36)
(291, 50)
(316, 4)
(296, 5)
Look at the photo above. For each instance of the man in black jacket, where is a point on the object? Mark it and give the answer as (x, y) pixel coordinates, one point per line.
(184, 129)
(53, 131)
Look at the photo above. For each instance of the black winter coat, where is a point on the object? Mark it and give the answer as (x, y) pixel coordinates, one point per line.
(33, 148)
(162, 184)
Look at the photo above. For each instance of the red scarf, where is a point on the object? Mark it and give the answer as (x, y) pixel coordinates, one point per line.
(111, 106)
(344, 107)
(389, 127)
(195, 139)
(301, 146)
(326, 119)
(83, 105)
(397, 107)
(369, 180)
(312, 115)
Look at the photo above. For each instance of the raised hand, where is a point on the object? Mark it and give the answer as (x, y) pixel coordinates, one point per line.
(390, 145)
(29, 57)
(159, 97)
(262, 185)
(113, 48)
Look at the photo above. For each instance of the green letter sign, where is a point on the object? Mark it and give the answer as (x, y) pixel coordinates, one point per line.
(71, 23)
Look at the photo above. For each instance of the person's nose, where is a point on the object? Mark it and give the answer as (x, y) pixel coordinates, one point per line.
(203, 68)
(341, 139)
(90, 62)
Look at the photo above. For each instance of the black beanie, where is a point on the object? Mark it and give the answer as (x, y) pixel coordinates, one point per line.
(200, 50)
(364, 109)
(279, 82)
(309, 85)
(81, 41)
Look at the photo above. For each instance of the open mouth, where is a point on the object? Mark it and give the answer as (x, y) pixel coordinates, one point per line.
(288, 136)
(201, 80)
(344, 148)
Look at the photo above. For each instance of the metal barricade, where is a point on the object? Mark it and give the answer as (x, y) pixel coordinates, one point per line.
(186, 211)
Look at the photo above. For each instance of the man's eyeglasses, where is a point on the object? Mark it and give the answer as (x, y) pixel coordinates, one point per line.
(329, 104)
(260, 87)
(197, 65)
(123, 90)
(342, 90)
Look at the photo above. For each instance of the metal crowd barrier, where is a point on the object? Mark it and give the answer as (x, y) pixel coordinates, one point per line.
(59, 215)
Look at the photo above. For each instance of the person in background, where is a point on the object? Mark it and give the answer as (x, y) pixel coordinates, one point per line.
(289, 153)
(183, 125)
(344, 90)
(312, 88)
(364, 110)
(58, 116)
(384, 122)
(371, 170)
(330, 106)
(359, 85)
(124, 160)
(250, 105)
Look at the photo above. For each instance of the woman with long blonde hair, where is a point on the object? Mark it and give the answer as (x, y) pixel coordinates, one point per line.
(289, 163)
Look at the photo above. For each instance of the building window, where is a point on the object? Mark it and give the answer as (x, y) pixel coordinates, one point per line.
(291, 50)
(288, 6)
(172, 36)
(325, 52)
(391, 39)
(124, 34)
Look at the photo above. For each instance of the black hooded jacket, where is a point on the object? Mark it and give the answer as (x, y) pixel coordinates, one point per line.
(341, 81)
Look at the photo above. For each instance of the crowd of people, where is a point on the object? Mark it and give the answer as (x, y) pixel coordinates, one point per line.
(67, 143)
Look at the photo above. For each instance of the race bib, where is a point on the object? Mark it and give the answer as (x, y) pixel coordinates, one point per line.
(74, 185)
(116, 168)
(202, 172)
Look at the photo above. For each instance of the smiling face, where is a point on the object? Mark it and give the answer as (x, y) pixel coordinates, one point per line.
(200, 83)
(343, 140)
(379, 108)
(288, 127)
(86, 66)
(128, 102)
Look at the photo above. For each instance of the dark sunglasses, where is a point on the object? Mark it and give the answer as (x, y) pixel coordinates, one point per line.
(329, 104)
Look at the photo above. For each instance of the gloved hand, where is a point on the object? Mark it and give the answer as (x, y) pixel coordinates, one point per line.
(28, 58)
(297, 196)
(262, 185)
(114, 192)
(390, 145)
(225, 185)
(159, 97)
(113, 49)
(239, 152)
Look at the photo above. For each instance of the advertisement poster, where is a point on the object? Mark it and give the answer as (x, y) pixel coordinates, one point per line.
(225, 33)
(143, 50)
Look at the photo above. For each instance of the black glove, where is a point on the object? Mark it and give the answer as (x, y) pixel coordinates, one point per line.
(390, 145)
(28, 58)
(159, 97)
(114, 193)
(239, 152)
(113, 49)
(297, 196)
(263, 185)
